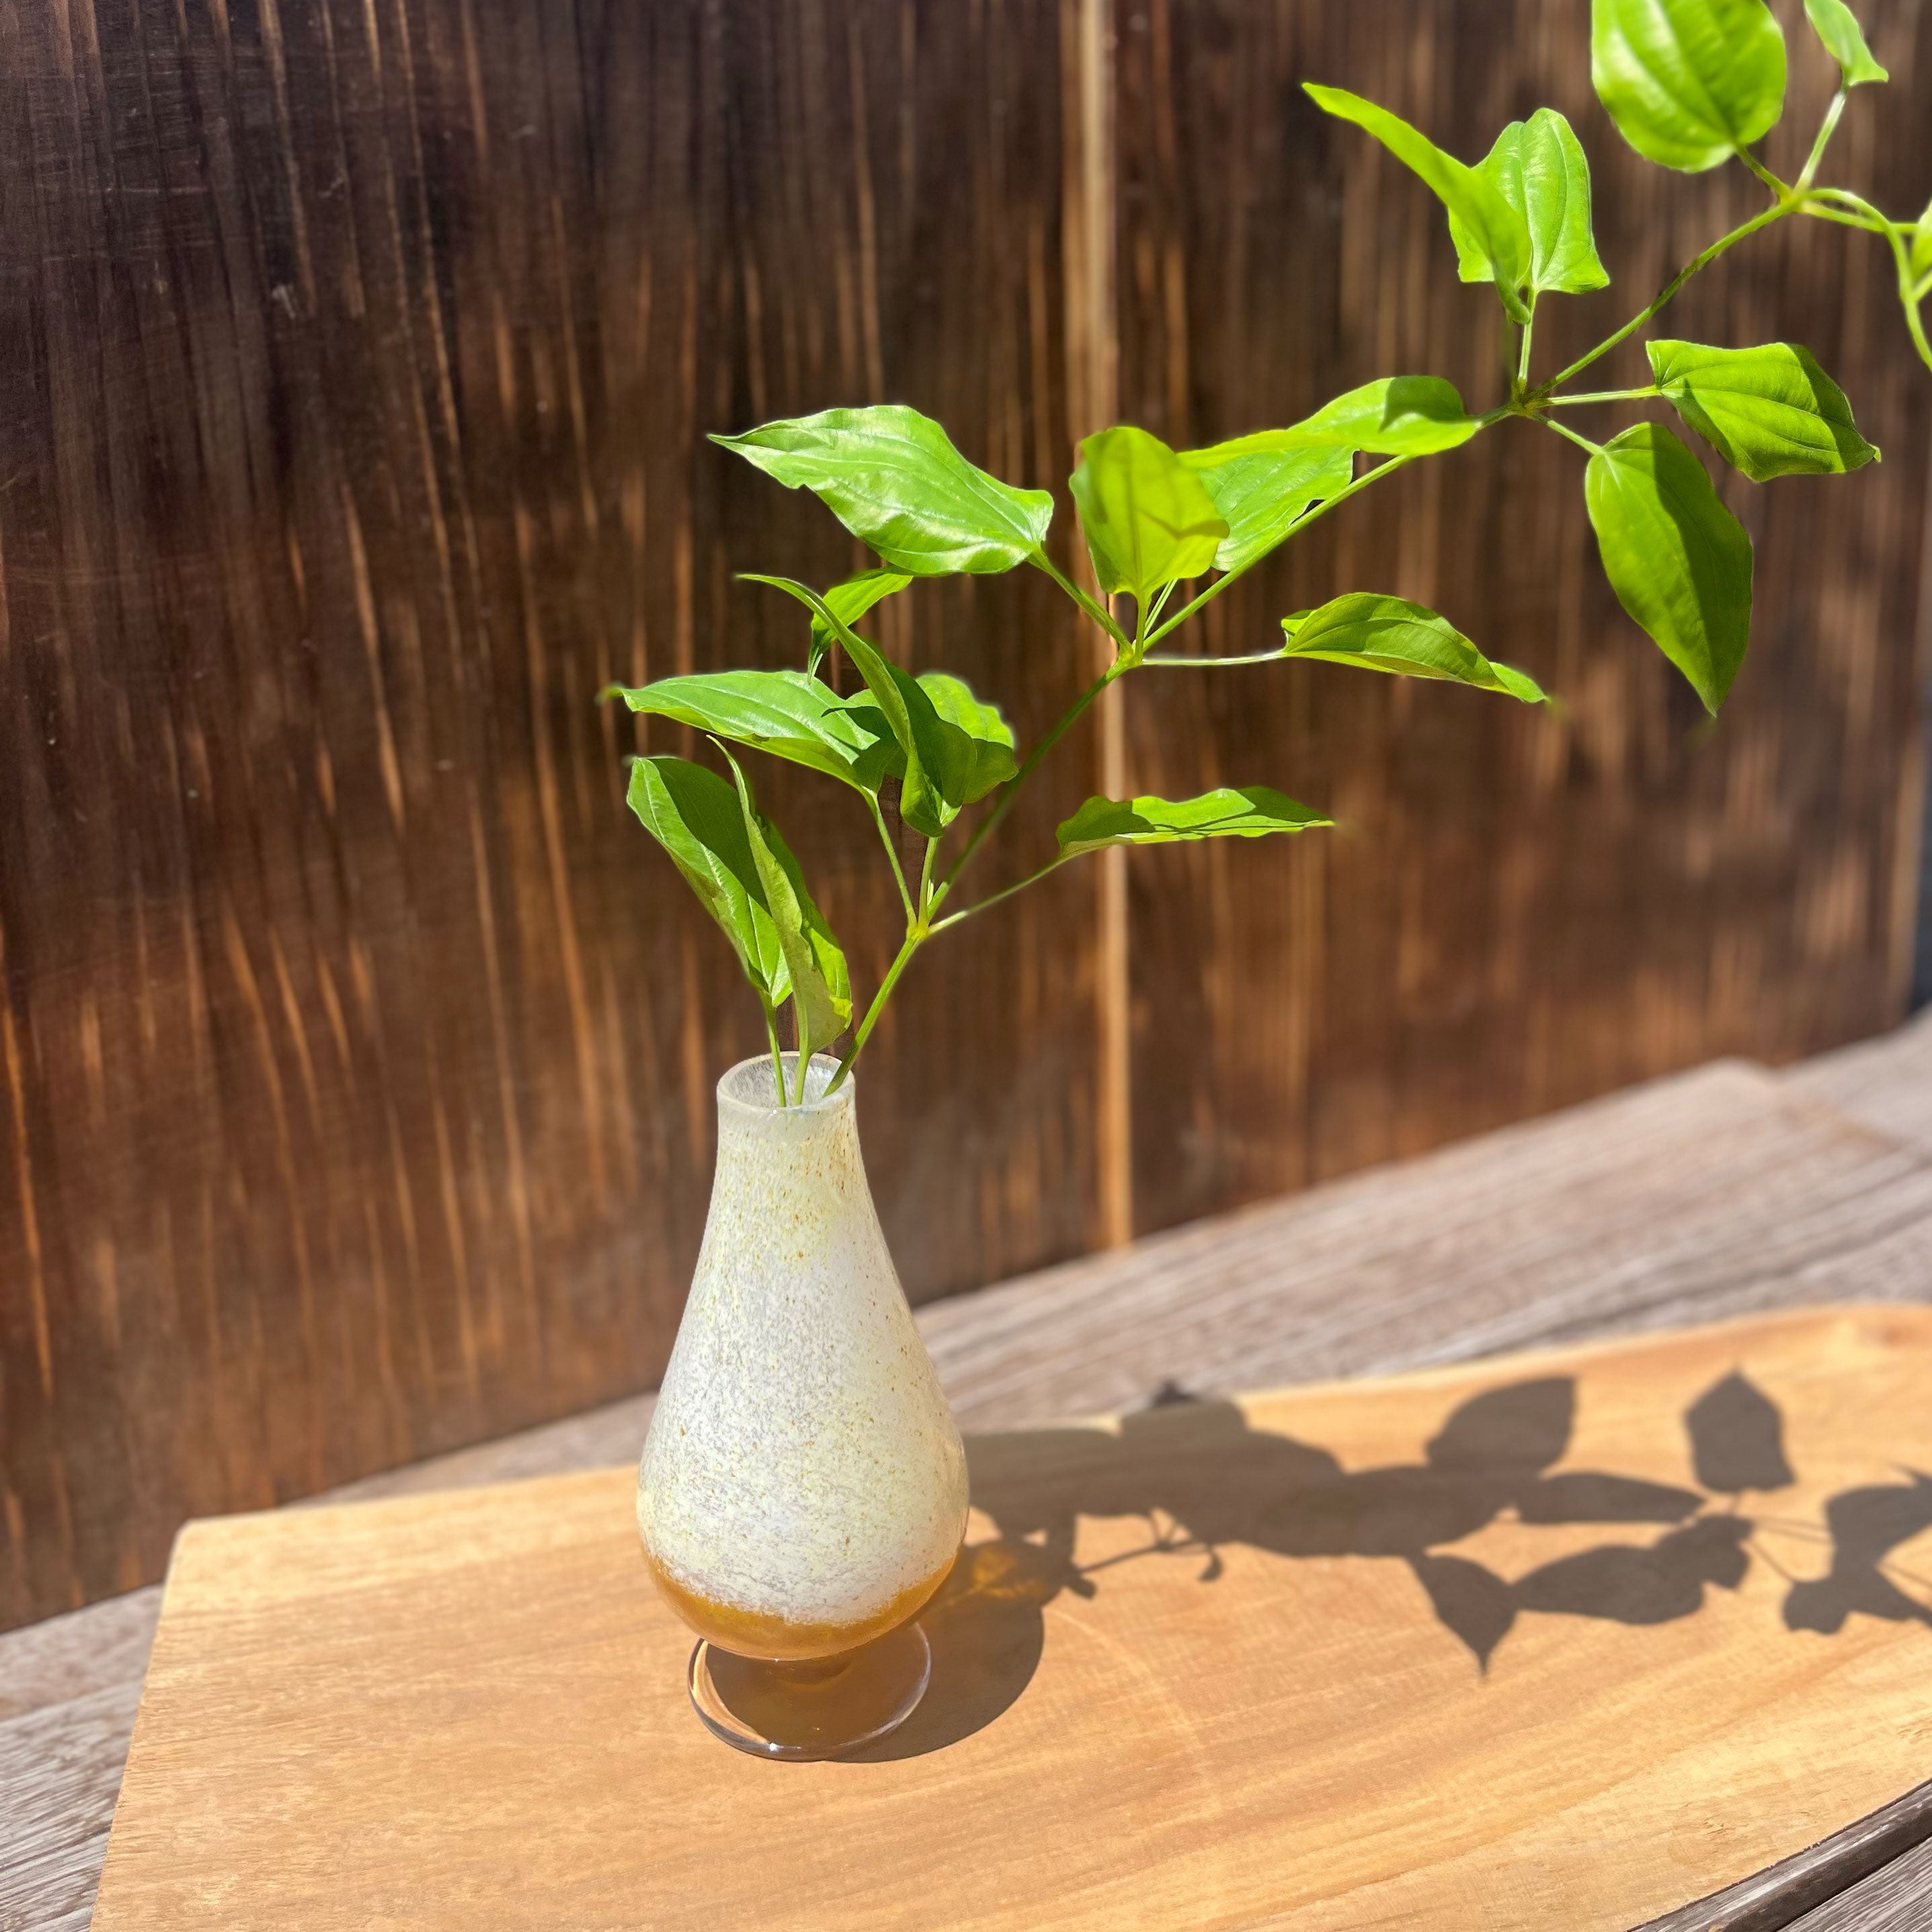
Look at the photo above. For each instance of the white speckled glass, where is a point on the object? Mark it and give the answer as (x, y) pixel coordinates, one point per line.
(803, 1489)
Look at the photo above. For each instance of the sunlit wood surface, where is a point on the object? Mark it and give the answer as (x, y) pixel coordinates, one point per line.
(1558, 1640)
(1727, 1190)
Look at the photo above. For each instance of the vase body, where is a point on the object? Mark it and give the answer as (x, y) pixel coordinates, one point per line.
(803, 1488)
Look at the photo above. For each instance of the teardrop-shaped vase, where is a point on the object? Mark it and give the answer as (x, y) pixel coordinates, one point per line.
(802, 1489)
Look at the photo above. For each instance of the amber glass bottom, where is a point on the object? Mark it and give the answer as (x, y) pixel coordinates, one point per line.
(817, 1708)
(752, 1634)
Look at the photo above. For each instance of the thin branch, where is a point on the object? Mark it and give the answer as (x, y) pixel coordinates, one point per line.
(1011, 789)
(1097, 613)
(1763, 173)
(1006, 892)
(1762, 220)
(1294, 529)
(1581, 442)
(1603, 396)
(892, 853)
(1176, 662)
(1808, 173)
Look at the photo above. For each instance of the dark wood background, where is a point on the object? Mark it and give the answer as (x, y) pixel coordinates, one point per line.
(356, 1051)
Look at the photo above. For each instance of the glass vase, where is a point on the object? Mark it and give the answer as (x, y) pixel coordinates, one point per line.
(802, 1490)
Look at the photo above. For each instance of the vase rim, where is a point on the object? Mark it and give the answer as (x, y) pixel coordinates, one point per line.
(749, 1091)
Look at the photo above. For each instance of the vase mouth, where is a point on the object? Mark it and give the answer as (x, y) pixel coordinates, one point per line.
(749, 1090)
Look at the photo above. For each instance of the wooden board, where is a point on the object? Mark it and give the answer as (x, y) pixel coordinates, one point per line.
(1714, 1193)
(1562, 1641)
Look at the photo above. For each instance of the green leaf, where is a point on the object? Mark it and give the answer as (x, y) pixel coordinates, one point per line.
(893, 478)
(695, 816)
(1679, 561)
(789, 714)
(820, 985)
(1835, 24)
(1397, 415)
(1493, 226)
(1232, 812)
(1538, 166)
(948, 742)
(1387, 633)
(965, 748)
(851, 600)
(1688, 82)
(973, 749)
(884, 680)
(1261, 488)
(1149, 522)
(1769, 411)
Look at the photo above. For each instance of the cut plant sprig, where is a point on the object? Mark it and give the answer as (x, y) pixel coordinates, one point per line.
(1690, 84)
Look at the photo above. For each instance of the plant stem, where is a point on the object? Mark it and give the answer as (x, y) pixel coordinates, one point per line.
(1602, 396)
(1901, 256)
(1523, 360)
(1809, 171)
(1763, 219)
(1840, 214)
(1294, 529)
(1247, 657)
(1581, 442)
(1005, 892)
(926, 877)
(777, 1057)
(1097, 613)
(915, 936)
(1010, 791)
(1763, 173)
(892, 853)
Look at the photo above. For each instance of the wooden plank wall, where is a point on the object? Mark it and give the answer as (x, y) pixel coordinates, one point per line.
(359, 1049)
(1523, 909)
(354, 363)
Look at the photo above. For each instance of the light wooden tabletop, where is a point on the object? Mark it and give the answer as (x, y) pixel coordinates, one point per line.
(1713, 1193)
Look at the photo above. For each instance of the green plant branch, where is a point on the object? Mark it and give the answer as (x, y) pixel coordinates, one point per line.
(1581, 442)
(1763, 219)
(1097, 613)
(926, 877)
(1152, 623)
(1808, 173)
(1011, 789)
(1908, 293)
(777, 1057)
(892, 853)
(1176, 662)
(1840, 214)
(1603, 396)
(1006, 892)
(1294, 529)
(915, 936)
(1763, 173)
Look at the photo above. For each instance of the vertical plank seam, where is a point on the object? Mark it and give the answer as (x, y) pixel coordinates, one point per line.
(1094, 321)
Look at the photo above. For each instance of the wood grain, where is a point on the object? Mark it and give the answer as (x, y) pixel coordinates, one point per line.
(1896, 1898)
(1878, 1853)
(355, 1049)
(1722, 1169)
(1523, 908)
(409, 1707)
(1886, 1082)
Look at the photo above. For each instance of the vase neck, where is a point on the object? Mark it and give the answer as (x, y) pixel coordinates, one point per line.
(792, 1151)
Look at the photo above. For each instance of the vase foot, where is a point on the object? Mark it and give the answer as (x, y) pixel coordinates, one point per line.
(826, 1707)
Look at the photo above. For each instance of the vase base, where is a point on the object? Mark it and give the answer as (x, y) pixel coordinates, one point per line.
(827, 1708)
